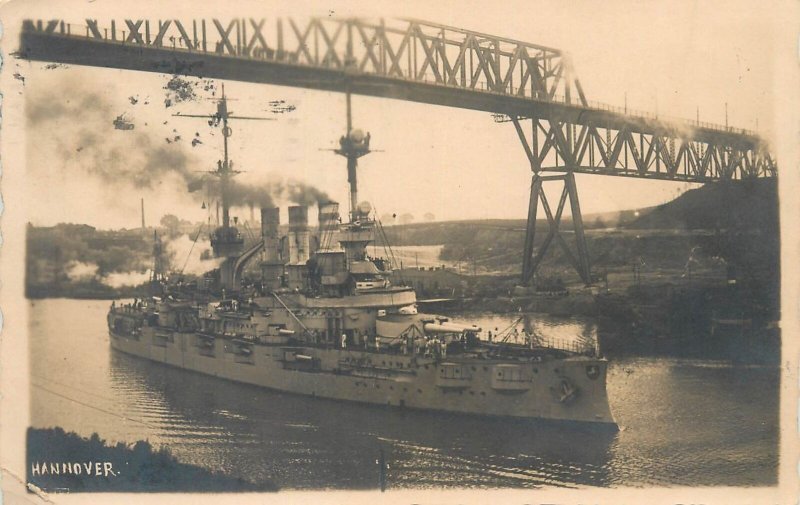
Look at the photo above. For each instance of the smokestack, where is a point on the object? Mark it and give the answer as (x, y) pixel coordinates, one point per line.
(328, 226)
(143, 226)
(298, 235)
(272, 268)
(270, 220)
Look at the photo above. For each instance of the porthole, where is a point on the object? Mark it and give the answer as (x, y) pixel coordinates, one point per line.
(483, 393)
(419, 391)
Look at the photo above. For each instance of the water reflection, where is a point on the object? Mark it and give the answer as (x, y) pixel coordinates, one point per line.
(685, 421)
(308, 442)
(565, 331)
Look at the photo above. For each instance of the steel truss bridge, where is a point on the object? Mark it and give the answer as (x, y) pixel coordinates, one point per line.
(532, 86)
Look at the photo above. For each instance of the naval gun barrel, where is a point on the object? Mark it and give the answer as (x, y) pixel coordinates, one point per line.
(449, 328)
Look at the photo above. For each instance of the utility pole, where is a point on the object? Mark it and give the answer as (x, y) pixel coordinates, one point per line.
(726, 115)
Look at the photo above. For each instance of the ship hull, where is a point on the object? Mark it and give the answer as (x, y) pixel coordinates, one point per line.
(569, 389)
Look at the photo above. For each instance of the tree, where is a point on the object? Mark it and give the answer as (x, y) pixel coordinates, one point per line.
(171, 223)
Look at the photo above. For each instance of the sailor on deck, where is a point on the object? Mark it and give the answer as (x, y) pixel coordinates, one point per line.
(437, 348)
(344, 341)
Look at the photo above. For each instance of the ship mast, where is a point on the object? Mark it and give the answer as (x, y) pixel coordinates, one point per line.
(352, 146)
(357, 234)
(226, 241)
(157, 274)
(352, 162)
(224, 169)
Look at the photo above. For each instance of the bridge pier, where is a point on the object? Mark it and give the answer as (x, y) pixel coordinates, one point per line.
(579, 259)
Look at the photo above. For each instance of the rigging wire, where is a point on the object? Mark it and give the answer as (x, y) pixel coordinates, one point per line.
(189, 254)
(386, 244)
(507, 331)
(327, 235)
(74, 388)
(249, 231)
(93, 407)
(325, 239)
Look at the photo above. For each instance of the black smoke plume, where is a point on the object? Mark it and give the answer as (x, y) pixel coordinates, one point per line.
(81, 121)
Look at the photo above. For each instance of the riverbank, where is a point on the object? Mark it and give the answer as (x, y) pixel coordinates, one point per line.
(59, 461)
(672, 316)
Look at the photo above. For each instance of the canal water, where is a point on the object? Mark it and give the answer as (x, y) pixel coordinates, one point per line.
(698, 422)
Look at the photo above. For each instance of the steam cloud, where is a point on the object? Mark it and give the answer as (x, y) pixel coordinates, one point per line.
(182, 253)
(190, 259)
(82, 121)
(78, 271)
(120, 279)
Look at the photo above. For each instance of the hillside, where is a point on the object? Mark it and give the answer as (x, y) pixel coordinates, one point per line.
(744, 205)
(733, 223)
(444, 232)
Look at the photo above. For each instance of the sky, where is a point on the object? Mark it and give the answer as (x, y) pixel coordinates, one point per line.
(672, 58)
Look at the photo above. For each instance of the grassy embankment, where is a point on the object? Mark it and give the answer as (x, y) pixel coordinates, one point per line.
(136, 467)
(665, 271)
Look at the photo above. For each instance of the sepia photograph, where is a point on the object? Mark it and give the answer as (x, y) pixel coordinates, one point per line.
(430, 252)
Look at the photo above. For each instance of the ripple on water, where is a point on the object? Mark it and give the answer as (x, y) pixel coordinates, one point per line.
(685, 422)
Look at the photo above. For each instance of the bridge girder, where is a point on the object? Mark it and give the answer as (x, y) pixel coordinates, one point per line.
(663, 154)
(421, 62)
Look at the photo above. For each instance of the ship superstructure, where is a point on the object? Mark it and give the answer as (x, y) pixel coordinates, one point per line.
(325, 320)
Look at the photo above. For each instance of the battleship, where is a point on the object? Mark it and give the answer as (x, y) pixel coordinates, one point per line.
(327, 320)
